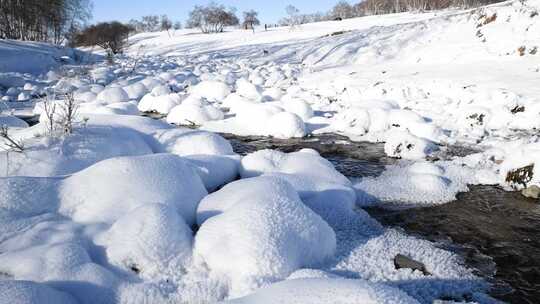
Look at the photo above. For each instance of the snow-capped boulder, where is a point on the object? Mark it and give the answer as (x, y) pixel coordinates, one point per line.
(324, 290)
(113, 95)
(159, 103)
(184, 141)
(319, 185)
(12, 122)
(151, 240)
(136, 91)
(187, 114)
(298, 107)
(402, 144)
(26, 292)
(248, 90)
(215, 170)
(286, 125)
(110, 188)
(264, 233)
(211, 90)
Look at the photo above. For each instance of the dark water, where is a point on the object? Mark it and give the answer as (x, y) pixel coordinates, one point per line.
(496, 232)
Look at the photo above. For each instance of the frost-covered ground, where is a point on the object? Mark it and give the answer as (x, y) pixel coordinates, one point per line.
(129, 209)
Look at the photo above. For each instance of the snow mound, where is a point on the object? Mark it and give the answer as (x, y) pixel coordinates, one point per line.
(190, 114)
(402, 144)
(215, 170)
(183, 141)
(110, 188)
(286, 125)
(248, 90)
(211, 90)
(25, 292)
(159, 103)
(420, 183)
(318, 183)
(263, 231)
(322, 291)
(11, 121)
(151, 240)
(113, 95)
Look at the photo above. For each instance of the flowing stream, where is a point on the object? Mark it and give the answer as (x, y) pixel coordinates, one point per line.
(496, 232)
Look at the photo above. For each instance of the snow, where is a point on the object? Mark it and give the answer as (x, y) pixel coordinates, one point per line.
(321, 291)
(108, 189)
(159, 103)
(264, 233)
(25, 292)
(211, 90)
(190, 114)
(154, 239)
(113, 95)
(119, 211)
(184, 141)
(11, 121)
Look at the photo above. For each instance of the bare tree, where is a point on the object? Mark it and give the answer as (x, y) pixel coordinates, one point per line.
(293, 18)
(44, 20)
(166, 24)
(342, 10)
(250, 20)
(212, 18)
(10, 144)
(110, 36)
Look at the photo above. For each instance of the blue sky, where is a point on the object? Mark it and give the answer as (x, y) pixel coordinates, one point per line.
(270, 11)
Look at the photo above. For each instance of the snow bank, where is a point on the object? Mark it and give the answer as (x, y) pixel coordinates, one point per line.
(110, 188)
(319, 291)
(11, 121)
(263, 230)
(25, 292)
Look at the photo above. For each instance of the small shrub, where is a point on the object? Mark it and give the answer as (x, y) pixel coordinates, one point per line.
(110, 36)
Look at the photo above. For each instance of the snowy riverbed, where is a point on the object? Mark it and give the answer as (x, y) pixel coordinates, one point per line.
(121, 208)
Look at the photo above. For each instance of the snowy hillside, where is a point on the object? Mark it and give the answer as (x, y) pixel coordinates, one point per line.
(99, 204)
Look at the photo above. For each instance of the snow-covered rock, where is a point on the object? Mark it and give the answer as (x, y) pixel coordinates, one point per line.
(183, 141)
(211, 90)
(151, 240)
(320, 291)
(263, 230)
(187, 114)
(113, 95)
(107, 190)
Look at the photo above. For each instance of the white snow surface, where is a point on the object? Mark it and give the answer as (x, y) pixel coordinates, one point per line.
(119, 211)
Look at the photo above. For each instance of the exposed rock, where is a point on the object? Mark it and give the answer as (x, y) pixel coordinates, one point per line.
(401, 261)
(531, 192)
(520, 176)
